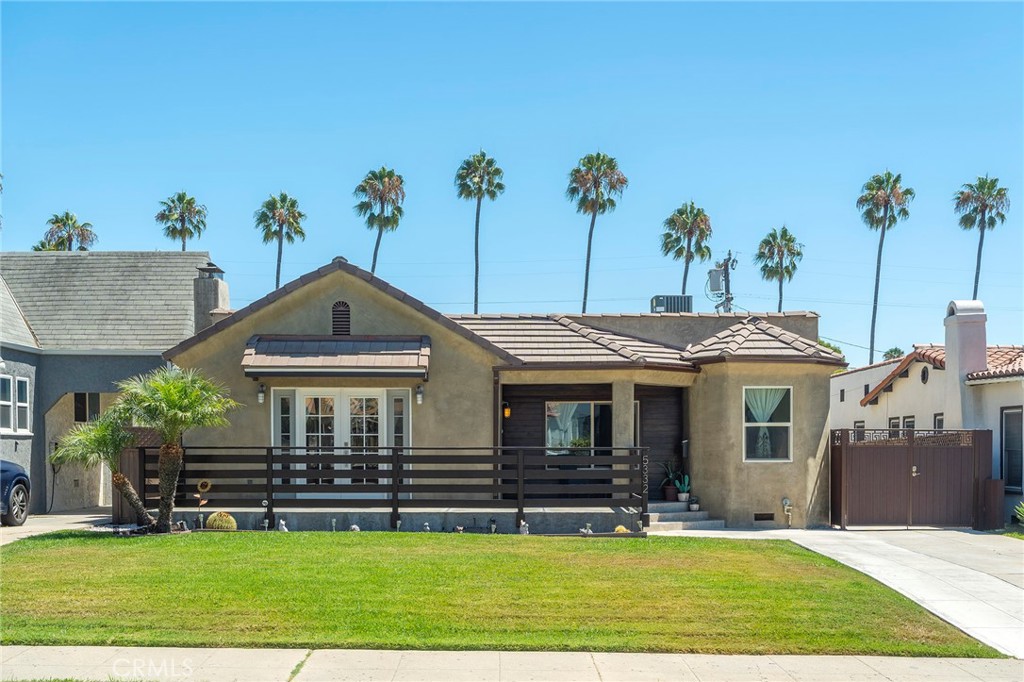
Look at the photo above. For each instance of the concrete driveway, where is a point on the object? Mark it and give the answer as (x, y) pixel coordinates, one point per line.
(970, 579)
(47, 523)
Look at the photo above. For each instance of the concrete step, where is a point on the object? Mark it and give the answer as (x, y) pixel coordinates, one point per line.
(666, 507)
(680, 516)
(707, 524)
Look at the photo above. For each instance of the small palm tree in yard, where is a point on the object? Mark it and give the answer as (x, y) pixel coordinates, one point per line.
(382, 192)
(883, 202)
(686, 236)
(778, 254)
(173, 401)
(182, 217)
(101, 442)
(65, 229)
(280, 220)
(981, 204)
(478, 177)
(593, 185)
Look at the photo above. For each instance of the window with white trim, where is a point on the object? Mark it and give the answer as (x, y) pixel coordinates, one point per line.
(938, 421)
(21, 419)
(6, 404)
(767, 423)
(909, 422)
(1012, 437)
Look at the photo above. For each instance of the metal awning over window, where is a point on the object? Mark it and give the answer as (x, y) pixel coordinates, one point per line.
(328, 356)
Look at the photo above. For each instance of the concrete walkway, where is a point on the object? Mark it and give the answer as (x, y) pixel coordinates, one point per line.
(970, 579)
(37, 524)
(302, 665)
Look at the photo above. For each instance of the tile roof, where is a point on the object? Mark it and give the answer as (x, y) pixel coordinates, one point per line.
(557, 340)
(755, 339)
(105, 300)
(14, 328)
(334, 355)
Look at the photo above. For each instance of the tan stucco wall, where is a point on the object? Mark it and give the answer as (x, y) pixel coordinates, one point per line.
(76, 486)
(734, 490)
(457, 408)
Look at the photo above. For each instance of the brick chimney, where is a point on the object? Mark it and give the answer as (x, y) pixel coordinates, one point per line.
(966, 352)
(210, 293)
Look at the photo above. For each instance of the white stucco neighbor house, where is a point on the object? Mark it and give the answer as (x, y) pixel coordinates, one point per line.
(961, 384)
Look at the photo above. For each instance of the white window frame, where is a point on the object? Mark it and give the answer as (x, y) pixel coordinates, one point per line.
(745, 424)
(18, 426)
(912, 420)
(592, 403)
(8, 404)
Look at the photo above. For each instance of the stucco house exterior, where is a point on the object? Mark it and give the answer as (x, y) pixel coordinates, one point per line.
(963, 383)
(340, 357)
(74, 323)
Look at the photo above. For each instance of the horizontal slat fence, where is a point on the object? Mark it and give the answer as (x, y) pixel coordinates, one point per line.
(493, 477)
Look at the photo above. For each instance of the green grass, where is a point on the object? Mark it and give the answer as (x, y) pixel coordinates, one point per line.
(445, 591)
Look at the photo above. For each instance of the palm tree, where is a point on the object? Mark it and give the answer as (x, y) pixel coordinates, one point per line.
(44, 245)
(281, 221)
(893, 353)
(593, 185)
(478, 177)
(182, 218)
(883, 202)
(981, 205)
(64, 227)
(101, 442)
(778, 254)
(382, 192)
(687, 232)
(173, 401)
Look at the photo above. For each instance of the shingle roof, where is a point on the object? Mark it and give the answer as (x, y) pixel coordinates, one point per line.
(557, 340)
(333, 355)
(14, 328)
(755, 339)
(105, 300)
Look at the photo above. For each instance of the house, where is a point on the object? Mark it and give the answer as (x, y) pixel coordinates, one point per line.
(74, 323)
(964, 383)
(340, 358)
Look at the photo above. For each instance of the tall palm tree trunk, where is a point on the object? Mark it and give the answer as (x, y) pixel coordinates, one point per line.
(280, 252)
(977, 267)
(686, 263)
(131, 496)
(781, 263)
(169, 466)
(878, 277)
(476, 258)
(376, 248)
(183, 234)
(586, 273)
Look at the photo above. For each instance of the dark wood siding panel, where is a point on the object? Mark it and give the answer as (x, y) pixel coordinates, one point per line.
(661, 430)
(525, 428)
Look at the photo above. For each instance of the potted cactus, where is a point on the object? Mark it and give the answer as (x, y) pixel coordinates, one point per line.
(683, 487)
(694, 503)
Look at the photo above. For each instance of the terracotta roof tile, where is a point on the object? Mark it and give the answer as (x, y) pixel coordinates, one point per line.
(353, 355)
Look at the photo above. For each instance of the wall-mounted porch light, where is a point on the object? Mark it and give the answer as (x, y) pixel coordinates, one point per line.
(261, 393)
(419, 394)
(506, 410)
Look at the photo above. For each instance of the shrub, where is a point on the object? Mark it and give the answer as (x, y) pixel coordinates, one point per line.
(1018, 511)
(221, 521)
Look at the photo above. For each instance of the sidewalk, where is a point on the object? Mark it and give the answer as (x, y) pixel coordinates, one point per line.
(329, 665)
(37, 524)
(969, 579)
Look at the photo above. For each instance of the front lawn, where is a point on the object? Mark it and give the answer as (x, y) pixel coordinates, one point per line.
(445, 591)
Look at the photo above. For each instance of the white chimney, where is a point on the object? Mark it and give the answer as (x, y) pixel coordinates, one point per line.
(966, 352)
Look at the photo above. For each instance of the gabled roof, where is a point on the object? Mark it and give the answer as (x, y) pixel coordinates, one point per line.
(105, 300)
(1001, 361)
(284, 355)
(14, 328)
(755, 339)
(338, 264)
(547, 340)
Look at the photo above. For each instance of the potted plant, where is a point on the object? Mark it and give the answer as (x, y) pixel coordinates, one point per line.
(683, 486)
(694, 503)
(668, 486)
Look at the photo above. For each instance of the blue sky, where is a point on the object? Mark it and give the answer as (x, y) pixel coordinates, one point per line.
(763, 114)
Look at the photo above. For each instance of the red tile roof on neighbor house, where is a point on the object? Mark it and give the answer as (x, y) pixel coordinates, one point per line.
(1002, 361)
(282, 355)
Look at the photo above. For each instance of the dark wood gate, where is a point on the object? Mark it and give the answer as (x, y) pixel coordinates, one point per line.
(903, 477)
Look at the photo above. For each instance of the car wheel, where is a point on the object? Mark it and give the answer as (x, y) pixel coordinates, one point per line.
(17, 506)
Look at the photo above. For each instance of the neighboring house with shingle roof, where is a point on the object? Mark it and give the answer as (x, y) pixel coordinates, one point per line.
(340, 356)
(961, 384)
(72, 324)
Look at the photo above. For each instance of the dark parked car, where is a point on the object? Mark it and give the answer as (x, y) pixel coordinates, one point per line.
(15, 489)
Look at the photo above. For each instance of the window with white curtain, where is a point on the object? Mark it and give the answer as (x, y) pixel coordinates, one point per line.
(767, 423)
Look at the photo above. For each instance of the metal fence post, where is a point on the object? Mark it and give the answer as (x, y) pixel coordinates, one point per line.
(270, 488)
(396, 466)
(520, 488)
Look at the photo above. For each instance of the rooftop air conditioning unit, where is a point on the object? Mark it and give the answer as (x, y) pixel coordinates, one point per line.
(672, 304)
